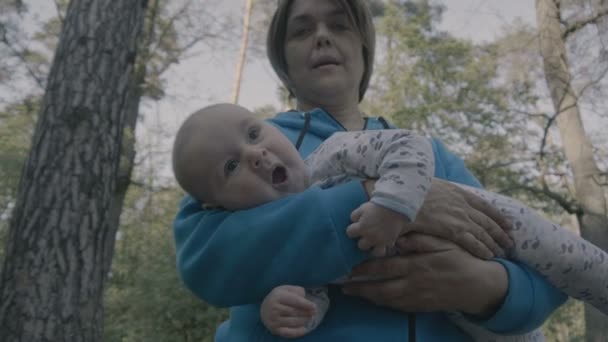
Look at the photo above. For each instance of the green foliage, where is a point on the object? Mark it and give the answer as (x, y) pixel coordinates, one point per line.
(430, 80)
(475, 97)
(425, 79)
(171, 30)
(443, 86)
(48, 35)
(144, 299)
(566, 324)
(265, 112)
(16, 128)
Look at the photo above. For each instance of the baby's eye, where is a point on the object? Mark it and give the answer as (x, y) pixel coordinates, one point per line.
(254, 133)
(230, 167)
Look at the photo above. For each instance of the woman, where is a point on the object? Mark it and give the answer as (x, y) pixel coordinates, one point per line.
(323, 51)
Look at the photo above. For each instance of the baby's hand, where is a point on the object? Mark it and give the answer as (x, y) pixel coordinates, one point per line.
(376, 227)
(285, 311)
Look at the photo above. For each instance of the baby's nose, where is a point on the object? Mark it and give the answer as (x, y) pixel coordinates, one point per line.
(258, 157)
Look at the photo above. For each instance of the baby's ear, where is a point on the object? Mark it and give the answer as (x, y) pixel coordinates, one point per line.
(209, 206)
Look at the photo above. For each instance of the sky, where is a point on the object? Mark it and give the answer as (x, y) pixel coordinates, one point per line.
(208, 77)
(200, 81)
(197, 82)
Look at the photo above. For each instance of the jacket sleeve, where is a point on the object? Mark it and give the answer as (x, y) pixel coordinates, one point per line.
(530, 297)
(235, 258)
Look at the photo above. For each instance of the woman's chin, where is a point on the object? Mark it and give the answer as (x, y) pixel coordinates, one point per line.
(330, 88)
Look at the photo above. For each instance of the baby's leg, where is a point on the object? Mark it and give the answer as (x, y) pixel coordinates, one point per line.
(571, 263)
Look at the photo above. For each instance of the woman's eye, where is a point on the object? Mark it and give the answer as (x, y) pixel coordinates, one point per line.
(254, 134)
(341, 25)
(299, 32)
(230, 167)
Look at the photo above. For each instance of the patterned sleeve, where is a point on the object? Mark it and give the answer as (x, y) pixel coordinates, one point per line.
(402, 162)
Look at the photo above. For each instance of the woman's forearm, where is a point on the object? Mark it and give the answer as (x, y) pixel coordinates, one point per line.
(235, 258)
(529, 301)
(488, 289)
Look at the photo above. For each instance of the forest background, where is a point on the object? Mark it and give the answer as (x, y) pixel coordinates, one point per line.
(517, 88)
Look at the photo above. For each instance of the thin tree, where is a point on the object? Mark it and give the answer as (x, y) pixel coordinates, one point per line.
(243, 51)
(589, 190)
(60, 233)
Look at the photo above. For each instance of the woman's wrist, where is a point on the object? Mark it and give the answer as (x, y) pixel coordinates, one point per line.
(490, 284)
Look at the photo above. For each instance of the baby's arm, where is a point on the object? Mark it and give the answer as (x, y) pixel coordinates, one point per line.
(400, 160)
(292, 311)
(402, 163)
(569, 262)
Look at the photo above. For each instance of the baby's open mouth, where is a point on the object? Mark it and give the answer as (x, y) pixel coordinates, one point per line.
(279, 175)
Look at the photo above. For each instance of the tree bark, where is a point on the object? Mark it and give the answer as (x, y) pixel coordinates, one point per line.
(127, 158)
(243, 53)
(61, 233)
(576, 144)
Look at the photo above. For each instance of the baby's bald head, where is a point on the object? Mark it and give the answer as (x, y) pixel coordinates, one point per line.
(196, 137)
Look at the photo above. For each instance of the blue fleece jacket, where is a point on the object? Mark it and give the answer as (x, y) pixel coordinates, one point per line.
(234, 259)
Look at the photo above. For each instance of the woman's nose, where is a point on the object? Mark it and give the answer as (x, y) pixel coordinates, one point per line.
(322, 36)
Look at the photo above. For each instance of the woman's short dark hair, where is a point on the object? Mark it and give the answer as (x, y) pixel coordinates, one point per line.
(360, 17)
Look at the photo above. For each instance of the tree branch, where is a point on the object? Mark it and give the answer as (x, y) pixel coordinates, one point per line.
(551, 119)
(569, 206)
(508, 163)
(579, 24)
(550, 122)
(151, 188)
(530, 114)
(58, 8)
(593, 82)
(601, 179)
(21, 57)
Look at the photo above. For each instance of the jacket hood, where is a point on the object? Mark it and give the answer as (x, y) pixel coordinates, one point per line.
(322, 124)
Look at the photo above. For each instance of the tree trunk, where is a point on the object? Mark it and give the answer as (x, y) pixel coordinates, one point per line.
(243, 53)
(127, 158)
(577, 146)
(60, 235)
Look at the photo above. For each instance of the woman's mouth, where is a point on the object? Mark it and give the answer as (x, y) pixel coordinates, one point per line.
(325, 61)
(279, 175)
(325, 64)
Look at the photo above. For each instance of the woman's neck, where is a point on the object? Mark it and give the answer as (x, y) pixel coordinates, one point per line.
(349, 116)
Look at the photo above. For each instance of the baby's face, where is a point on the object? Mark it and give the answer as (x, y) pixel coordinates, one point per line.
(247, 161)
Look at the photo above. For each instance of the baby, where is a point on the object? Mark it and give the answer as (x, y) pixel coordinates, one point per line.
(224, 156)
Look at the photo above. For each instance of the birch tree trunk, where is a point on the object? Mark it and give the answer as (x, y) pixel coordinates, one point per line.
(243, 52)
(576, 144)
(60, 236)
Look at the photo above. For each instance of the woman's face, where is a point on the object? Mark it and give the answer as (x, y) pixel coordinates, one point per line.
(323, 52)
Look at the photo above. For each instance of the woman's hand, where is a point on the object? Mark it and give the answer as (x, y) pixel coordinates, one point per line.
(432, 275)
(454, 214)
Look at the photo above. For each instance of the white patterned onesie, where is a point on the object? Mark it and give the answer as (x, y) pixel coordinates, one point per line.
(403, 163)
